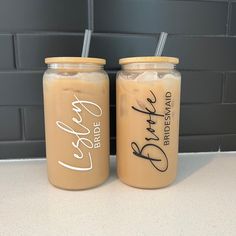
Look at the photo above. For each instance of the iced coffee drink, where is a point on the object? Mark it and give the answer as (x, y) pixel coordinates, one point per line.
(76, 107)
(148, 103)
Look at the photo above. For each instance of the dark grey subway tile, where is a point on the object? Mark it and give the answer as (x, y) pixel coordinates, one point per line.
(228, 142)
(230, 88)
(22, 149)
(114, 47)
(10, 128)
(208, 119)
(199, 143)
(33, 48)
(22, 88)
(233, 19)
(175, 17)
(201, 87)
(195, 53)
(6, 51)
(210, 0)
(34, 123)
(203, 53)
(44, 15)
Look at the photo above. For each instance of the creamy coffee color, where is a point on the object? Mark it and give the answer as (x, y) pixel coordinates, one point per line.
(148, 102)
(76, 106)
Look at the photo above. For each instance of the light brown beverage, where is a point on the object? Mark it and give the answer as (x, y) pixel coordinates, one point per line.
(148, 102)
(76, 107)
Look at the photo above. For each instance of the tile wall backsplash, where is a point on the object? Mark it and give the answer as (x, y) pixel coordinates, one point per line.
(201, 33)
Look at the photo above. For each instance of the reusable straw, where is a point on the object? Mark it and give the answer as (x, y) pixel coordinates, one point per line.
(86, 43)
(161, 43)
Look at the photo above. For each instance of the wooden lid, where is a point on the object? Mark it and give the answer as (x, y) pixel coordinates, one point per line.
(128, 60)
(75, 60)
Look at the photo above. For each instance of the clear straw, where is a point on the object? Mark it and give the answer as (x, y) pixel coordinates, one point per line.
(161, 43)
(86, 44)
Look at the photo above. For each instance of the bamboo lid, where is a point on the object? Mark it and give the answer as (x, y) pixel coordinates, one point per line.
(75, 60)
(128, 60)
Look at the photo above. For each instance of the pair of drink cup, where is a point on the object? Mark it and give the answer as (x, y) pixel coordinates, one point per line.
(76, 109)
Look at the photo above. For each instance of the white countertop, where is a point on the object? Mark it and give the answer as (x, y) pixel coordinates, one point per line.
(202, 201)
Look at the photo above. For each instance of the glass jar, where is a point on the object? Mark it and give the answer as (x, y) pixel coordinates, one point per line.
(76, 108)
(147, 111)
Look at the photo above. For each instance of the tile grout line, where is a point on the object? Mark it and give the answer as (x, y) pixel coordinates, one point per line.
(223, 87)
(229, 14)
(22, 71)
(153, 35)
(219, 143)
(41, 32)
(23, 106)
(110, 34)
(15, 52)
(40, 159)
(114, 138)
(16, 141)
(22, 121)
